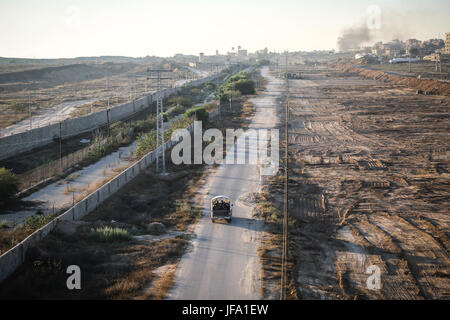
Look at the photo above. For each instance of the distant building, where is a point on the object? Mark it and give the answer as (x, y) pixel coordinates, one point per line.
(412, 43)
(447, 43)
(242, 53)
(201, 57)
(424, 48)
(432, 57)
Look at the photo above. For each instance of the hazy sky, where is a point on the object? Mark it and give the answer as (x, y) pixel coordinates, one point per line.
(60, 28)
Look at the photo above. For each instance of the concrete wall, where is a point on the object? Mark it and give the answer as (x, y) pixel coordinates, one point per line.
(28, 140)
(12, 259)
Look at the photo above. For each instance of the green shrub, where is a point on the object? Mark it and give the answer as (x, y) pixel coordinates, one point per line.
(146, 142)
(34, 223)
(181, 123)
(199, 113)
(239, 76)
(110, 234)
(245, 86)
(9, 185)
(225, 97)
(179, 109)
(239, 83)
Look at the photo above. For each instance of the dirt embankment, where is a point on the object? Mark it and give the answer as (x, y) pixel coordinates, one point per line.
(425, 85)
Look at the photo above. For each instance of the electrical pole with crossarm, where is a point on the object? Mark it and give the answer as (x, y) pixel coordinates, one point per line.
(160, 148)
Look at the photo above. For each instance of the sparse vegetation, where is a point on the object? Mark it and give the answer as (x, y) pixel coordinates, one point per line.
(35, 222)
(237, 85)
(9, 185)
(198, 113)
(110, 234)
(4, 224)
(183, 101)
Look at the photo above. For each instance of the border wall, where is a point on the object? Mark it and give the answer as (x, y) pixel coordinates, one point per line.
(25, 141)
(15, 257)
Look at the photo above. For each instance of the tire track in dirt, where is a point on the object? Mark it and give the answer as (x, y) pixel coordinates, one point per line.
(420, 254)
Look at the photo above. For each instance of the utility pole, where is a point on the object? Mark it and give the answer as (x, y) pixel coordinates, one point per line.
(409, 63)
(159, 118)
(60, 146)
(231, 97)
(131, 91)
(286, 194)
(438, 63)
(29, 111)
(107, 121)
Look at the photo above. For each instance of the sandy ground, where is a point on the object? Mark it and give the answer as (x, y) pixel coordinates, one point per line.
(222, 262)
(46, 117)
(370, 187)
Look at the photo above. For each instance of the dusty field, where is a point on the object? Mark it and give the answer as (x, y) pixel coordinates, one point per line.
(369, 185)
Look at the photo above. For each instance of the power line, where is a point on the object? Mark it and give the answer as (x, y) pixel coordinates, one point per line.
(285, 252)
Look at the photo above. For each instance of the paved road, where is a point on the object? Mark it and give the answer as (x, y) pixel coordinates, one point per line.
(223, 262)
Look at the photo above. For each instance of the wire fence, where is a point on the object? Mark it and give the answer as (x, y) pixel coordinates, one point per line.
(59, 166)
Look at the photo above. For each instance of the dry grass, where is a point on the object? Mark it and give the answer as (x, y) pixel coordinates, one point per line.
(161, 285)
(9, 239)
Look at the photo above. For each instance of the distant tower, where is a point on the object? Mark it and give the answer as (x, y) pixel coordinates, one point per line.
(201, 57)
(217, 52)
(447, 43)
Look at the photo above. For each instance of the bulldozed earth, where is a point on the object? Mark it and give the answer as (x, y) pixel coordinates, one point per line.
(368, 189)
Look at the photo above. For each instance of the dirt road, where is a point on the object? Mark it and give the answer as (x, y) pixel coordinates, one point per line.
(222, 262)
